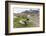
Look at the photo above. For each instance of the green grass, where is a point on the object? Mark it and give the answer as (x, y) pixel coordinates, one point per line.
(18, 25)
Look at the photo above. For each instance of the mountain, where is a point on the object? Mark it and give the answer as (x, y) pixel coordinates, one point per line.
(27, 12)
(31, 11)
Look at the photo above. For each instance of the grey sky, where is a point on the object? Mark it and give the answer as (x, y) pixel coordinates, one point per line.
(19, 10)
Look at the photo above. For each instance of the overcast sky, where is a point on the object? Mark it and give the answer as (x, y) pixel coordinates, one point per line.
(19, 10)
